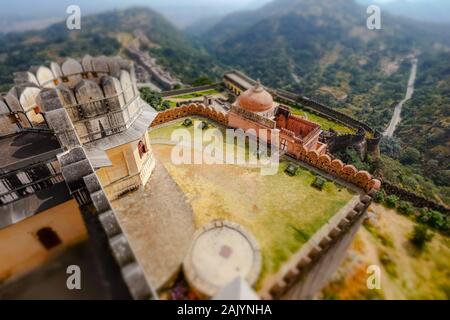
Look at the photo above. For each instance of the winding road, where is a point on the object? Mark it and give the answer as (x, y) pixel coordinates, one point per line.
(395, 120)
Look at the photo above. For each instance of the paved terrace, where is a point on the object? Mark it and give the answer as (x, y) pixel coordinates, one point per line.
(159, 224)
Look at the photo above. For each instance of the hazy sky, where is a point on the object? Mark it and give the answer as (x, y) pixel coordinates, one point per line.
(185, 12)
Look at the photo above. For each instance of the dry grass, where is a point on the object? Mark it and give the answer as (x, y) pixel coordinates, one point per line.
(282, 212)
(406, 272)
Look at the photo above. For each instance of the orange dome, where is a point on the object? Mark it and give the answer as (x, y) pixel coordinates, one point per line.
(256, 99)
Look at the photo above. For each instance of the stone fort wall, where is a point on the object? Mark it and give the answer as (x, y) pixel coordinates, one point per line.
(193, 109)
(308, 271)
(340, 142)
(323, 162)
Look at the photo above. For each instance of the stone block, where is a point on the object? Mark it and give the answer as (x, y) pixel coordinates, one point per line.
(121, 250)
(73, 173)
(92, 183)
(334, 233)
(136, 282)
(352, 214)
(48, 100)
(74, 155)
(109, 223)
(100, 201)
(360, 207)
(278, 289)
(365, 199)
(291, 275)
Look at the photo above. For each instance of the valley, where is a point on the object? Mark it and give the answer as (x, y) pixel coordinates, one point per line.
(313, 48)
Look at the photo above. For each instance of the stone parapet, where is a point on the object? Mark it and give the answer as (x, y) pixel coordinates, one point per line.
(296, 273)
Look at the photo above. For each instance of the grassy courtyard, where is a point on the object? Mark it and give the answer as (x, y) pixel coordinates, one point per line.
(282, 212)
(325, 123)
(172, 100)
(197, 94)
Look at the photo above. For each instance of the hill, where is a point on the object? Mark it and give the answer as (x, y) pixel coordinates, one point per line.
(324, 50)
(107, 34)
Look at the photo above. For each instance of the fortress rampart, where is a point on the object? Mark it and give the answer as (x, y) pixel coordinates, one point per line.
(362, 179)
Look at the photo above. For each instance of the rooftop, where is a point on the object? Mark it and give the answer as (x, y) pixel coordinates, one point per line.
(33, 204)
(26, 148)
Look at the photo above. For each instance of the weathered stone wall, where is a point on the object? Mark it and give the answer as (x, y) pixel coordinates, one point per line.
(339, 142)
(316, 158)
(416, 200)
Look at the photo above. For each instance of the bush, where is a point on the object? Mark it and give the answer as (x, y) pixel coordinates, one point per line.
(318, 183)
(405, 207)
(434, 219)
(201, 81)
(154, 99)
(391, 201)
(291, 169)
(187, 122)
(204, 125)
(379, 196)
(410, 156)
(420, 236)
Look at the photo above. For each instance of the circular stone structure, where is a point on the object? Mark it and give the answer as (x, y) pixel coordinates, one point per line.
(220, 252)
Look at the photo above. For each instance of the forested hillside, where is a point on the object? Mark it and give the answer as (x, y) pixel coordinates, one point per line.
(106, 34)
(323, 49)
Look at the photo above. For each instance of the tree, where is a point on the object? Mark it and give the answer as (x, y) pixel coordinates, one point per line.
(379, 196)
(201, 81)
(390, 147)
(420, 236)
(154, 99)
(410, 156)
(391, 201)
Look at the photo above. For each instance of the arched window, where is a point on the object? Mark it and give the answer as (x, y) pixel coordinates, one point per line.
(48, 238)
(142, 149)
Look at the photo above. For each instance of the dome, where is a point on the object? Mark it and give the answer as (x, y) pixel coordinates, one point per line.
(256, 99)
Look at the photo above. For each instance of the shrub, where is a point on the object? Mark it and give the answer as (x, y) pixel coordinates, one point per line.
(405, 207)
(291, 169)
(391, 201)
(410, 155)
(379, 196)
(187, 122)
(434, 219)
(420, 236)
(318, 183)
(201, 81)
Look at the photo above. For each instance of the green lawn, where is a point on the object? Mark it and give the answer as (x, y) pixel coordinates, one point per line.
(196, 94)
(325, 123)
(282, 212)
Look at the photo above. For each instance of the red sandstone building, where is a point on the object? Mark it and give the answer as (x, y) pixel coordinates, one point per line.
(255, 109)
